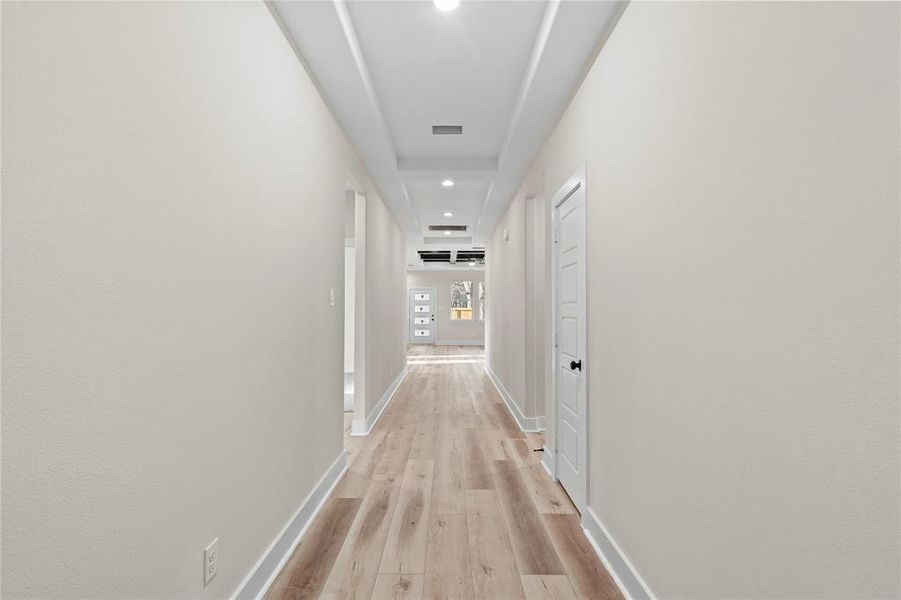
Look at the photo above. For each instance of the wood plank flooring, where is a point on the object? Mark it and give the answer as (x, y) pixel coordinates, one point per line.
(445, 499)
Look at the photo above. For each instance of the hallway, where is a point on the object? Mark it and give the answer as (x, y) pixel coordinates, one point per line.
(591, 299)
(445, 499)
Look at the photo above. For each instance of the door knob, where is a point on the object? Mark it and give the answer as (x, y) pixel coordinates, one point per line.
(573, 365)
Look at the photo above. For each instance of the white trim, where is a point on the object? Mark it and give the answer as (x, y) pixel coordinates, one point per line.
(525, 87)
(360, 307)
(615, 560)
(460, 343)
(353, 44)
(270, 564)
(356, 52)
(422, 168)
(531, 424)
(544, 33)
(446, 268)
(363, 427)
(548, 462)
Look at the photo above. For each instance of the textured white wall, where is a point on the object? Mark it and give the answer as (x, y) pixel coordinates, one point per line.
(349, 308)
(517, 328)
(536, 299)
(452, 331)
(743, 239)
(505, 276)
(172, 369)
(386, 301)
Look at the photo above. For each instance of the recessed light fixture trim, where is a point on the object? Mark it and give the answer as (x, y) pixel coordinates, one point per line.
(446, 5)
(448, 214)
(448, 183)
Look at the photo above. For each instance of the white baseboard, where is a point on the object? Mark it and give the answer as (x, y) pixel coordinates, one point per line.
(460, 343)
(623, 572)
(615, 561)
(525, 423)
(267, 568)
(547, 461)
(364, 426)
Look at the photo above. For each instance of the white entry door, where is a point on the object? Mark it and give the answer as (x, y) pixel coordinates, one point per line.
(422, 315)
(570, 407)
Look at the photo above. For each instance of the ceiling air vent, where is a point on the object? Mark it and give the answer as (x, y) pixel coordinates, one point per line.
(471, 256)
(461, 258)
(447, 227)
(447, 130)
(434, 256)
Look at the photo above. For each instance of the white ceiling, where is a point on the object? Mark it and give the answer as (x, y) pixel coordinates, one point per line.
(504, 70)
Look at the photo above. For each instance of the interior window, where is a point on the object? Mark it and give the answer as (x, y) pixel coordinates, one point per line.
(461, 301)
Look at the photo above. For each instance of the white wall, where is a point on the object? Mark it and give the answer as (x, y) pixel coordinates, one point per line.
(386, 302)
(452, 332)
(537, 294)
(350, 277)
(172, 368)
(349, 307)
(350, 212)
(517, 332)
(505, 274)
(743, 335)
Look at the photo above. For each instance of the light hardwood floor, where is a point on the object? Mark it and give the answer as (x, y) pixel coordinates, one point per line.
(445, 499)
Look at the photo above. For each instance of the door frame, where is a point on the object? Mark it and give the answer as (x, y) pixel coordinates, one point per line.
(434, 303)
(574, 184)
(360, 311)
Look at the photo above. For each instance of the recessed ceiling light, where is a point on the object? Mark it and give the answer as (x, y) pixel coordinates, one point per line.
(448, 214)
(448, 183)
(447, 233)
(446, 5)
(472, 264)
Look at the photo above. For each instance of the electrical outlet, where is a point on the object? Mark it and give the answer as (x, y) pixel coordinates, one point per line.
(210, 562)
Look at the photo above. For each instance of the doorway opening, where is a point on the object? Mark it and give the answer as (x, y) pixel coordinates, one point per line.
(353, 400)
(349, 298)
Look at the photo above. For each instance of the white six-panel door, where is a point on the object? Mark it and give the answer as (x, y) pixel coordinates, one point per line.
(570, 366)
(422, 315)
